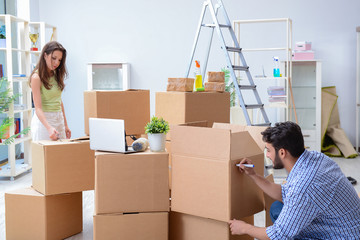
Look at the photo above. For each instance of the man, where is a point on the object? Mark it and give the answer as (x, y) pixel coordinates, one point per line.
(319, 201)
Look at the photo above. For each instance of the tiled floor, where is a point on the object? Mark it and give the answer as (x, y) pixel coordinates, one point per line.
(349, 166)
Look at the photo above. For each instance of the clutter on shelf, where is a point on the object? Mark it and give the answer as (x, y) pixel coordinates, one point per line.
(303, 51)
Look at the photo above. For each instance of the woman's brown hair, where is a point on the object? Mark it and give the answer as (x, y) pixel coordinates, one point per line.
(41, 68)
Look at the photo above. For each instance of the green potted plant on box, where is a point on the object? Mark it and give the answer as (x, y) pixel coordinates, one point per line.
(2, 37)
(6, 98)
(156, 130)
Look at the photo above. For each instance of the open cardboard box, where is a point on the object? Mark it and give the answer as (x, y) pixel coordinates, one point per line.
(33, 216)
(131, 105)
(63, 166)
(205, 180)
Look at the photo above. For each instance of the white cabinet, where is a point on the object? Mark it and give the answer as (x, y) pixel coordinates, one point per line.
(15, 59)
(306, 87)
(108, 76)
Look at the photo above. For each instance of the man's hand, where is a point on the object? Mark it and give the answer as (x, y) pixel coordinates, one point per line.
(238, 227)
(247, 170)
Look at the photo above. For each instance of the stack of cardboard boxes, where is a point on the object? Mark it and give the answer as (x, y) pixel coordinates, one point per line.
(52, 208)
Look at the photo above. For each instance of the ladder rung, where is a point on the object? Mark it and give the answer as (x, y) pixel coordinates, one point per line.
(261, 124)
(240, 68)
(252, 106)
(233, 49)
(213, 25)
(247, 86)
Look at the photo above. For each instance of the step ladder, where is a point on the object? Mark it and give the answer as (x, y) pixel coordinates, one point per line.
(228, 49)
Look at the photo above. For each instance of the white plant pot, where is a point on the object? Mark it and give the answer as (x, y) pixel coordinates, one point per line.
(2, 43)
(157, 142)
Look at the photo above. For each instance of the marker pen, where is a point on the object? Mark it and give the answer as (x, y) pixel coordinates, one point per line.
(246, 165)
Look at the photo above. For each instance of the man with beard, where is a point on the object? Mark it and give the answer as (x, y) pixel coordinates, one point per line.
(318, 200)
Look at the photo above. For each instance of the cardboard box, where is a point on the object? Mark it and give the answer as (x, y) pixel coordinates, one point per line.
(126, 183)
(31, 215)
(184, 107)
(180, 84)
(168, 150)
(216, 77)
(268, 201)
(214, 87)
(62, 166)
(139, 226)
(205, 180)
(302, 46)
(303, 55)
(133, 106)
(189, 227)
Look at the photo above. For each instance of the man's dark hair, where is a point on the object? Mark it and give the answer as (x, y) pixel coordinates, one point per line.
(286, 135)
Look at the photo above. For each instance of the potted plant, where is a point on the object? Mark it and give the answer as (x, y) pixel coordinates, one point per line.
(2, 37)
(5, 100)
(156, 130)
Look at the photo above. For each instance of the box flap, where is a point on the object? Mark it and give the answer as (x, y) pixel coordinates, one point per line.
(254, 131)
(26, 191)
(80, 139)
(201, 142)
(192, 124)
(243, 145)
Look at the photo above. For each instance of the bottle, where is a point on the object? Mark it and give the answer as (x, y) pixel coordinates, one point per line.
(198, 77)
(276, 67)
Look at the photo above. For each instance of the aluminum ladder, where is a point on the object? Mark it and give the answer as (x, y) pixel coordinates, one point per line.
(227, 49)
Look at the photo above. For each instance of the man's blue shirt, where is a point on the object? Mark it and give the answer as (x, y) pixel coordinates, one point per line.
(319, 202)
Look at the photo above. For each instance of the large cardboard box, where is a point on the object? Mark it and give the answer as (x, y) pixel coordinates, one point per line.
(133, 106)
(62, 166)
(139, 226)
(31, 215)
(205, 179)
(126, 183)
(183, 107)
(188, 227)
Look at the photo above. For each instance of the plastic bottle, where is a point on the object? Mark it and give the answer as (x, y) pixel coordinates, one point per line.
(276, 67)
(198, 77)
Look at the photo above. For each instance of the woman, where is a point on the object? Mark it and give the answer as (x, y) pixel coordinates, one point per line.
(47, 84)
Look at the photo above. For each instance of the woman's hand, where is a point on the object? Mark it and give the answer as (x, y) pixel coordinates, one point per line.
(68, 132)
(53, 134)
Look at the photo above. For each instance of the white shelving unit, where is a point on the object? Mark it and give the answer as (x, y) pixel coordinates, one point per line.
(108, 76)
(285, 80)
(17, 61)
(357, 88)
(306, 86)
(46, 33)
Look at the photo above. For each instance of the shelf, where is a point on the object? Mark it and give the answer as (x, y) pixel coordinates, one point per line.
(303, 86)
(265, 49)
(276, 105)
(20, 167)
(18, 140)
(16, 50)
(23, 110)
(270, 78)
(12, 18)
(35, 52)
(20, 79)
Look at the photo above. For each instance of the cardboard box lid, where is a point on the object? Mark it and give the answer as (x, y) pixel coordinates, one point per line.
(26, 191)
(254, 131)
(221, 144)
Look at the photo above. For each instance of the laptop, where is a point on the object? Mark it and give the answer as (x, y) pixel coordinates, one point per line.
(108, 135)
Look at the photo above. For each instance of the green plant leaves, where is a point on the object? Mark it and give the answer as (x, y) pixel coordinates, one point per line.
(157, 125)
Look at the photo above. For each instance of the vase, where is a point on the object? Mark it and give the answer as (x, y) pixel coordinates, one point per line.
(157, 142)
(2, 43)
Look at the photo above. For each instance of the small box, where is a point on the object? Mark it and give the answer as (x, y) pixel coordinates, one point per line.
(214, 87)
(303, 55)
(139, 226)
(33, 216)
(205, 179)
(62, 166)
(303, 46)
(184, 107)
(216, 77)
(132, 105)
(188, 227)
(127, 183)
(180, 84)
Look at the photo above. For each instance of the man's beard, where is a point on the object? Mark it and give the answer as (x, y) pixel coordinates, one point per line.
(277, 161)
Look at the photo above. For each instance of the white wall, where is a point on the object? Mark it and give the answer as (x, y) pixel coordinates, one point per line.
(156, 38)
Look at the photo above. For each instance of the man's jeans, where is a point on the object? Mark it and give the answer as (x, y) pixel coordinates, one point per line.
(275, 210)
